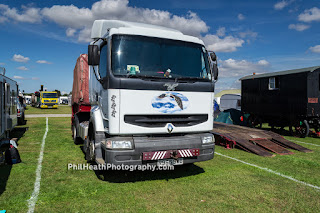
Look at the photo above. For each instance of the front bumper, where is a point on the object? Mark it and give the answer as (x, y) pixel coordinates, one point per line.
(158, 144)
(45, 106)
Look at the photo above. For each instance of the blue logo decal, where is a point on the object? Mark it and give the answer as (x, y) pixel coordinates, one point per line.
(170, 128)
(170, 102)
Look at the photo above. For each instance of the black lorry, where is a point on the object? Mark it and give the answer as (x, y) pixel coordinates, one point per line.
(286, 98)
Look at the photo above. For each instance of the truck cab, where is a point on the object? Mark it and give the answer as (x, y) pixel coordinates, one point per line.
(48, 100)
(151, 91)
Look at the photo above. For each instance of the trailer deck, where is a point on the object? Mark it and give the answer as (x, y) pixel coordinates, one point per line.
(257, 141)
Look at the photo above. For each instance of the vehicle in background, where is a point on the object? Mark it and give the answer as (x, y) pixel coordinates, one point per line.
(20, 114)
(45, 99)
(63, 100)
(218, 95)
(154, 107)
(48, 99)
(230, 101)
(35, 99)
(8, 108)
(28, 99)
(286, 98)
(22, 101)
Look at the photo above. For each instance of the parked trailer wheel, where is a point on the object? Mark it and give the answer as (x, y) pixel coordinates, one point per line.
(254, 122)
(301, 129)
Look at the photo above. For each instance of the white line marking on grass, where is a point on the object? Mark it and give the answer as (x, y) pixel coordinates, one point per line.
(306, 143)
(271, 171)
(34, 197)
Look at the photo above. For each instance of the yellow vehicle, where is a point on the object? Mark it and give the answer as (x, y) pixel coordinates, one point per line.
(48, 100)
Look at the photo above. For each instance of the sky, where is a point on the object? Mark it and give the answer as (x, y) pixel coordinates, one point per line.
(41, 40)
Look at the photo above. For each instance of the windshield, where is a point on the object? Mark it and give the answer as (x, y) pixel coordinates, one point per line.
(49, 95)
(158, 58)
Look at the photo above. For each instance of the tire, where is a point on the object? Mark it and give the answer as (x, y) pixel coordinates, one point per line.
(89, 148)
(254, 122)
(75, 134)
(23, 121)
(302, 129)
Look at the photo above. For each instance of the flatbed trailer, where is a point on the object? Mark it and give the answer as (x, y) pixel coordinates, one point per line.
(257, 141)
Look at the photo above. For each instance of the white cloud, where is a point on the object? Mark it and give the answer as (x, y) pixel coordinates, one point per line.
(69, 16)
(43, 62)
(241, 17)
(19, 77)
(310, 15)
(281, 4)
(315, 49)
(248, 34)
(221, 31)
(240, 68)
(28, 14)
(263, 63)
(298, 27)
(35, 78)
(70, 32)
(20, 58)
(2, 64)
(22, 68)
(3, 19)
(78, 21)
(226, 44)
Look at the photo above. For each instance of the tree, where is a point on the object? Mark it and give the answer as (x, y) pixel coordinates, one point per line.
(59, 93)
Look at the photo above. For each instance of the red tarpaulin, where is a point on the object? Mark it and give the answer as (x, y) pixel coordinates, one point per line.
(80, 89)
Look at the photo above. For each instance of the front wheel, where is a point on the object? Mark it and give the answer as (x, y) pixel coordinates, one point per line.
(89, 147)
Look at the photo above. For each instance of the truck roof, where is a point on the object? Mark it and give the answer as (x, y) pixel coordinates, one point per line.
(103, 28)
(48, 92)
(286, 72)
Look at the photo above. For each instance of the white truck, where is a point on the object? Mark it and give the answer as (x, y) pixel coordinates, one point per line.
(151, 93)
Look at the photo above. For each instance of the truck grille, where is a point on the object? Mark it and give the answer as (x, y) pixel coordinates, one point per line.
(162, 120)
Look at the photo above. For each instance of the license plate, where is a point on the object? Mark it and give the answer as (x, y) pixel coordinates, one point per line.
(170, 162)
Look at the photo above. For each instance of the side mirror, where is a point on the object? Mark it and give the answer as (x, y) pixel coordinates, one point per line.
(93, 55)
(215, 71)
(213, 56)
(2, 71)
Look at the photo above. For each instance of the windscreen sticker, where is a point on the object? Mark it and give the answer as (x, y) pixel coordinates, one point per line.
(170, 102)
(133, 69)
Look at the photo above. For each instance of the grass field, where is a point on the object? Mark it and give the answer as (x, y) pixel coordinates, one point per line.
(62, 109)
(218, 185)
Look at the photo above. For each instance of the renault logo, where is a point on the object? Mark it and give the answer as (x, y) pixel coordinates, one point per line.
(170, 128)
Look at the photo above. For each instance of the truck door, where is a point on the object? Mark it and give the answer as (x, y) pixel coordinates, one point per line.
(7, 105)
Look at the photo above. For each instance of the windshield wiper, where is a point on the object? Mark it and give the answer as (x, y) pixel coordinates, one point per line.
(144, 76)
(192, 79)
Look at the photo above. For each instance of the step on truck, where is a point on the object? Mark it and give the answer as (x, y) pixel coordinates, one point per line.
(144, 95)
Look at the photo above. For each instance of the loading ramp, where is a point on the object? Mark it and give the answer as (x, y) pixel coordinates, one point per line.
(261, 142)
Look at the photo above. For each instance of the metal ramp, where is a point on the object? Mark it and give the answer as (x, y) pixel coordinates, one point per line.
(257, 141)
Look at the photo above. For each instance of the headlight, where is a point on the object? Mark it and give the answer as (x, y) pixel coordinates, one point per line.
(208, 139)
(119, 144)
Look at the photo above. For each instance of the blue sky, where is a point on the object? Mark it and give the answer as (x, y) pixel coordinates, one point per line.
(41, 40)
